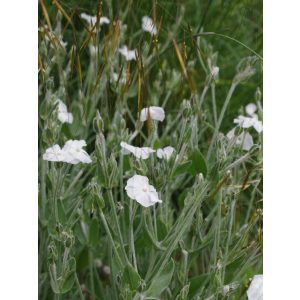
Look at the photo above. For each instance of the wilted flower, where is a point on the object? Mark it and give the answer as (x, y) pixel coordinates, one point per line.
(54, 153)
(255, 290)
(138, 189)
(142, 153)
(244, 140)
(74, 153)
(128, 54)
(148, 25)
(154, 112)
(165, 152)
(63, 115)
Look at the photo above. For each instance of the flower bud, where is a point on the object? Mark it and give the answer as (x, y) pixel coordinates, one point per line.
(186, 108)
(98, 123)
(258, 95)
(245, 69)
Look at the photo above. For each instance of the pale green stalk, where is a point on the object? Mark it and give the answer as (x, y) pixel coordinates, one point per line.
(110, 238)
(79, 288)
(131, 235)
(116, 222)
(222, 113)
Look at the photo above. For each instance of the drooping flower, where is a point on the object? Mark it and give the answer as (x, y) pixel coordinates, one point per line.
(140, 153)
(63, 115)
(165, 152)
(54, 153)
(93, 19)
(148, 25)
(74, 152)
(154, 112)
(139, 189)
(244, 140)
(128, 54)
(255, 290)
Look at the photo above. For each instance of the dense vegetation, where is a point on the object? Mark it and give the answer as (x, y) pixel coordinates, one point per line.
(203, 66)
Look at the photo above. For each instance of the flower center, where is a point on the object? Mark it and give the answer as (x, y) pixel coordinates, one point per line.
(144, 190)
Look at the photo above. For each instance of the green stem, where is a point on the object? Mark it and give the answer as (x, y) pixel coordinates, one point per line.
(214, 103)
(110, 238)
(131, 235)
(217, 232)
(116, 222)
(91, 274)
(79, 288)
(206, 87)
(184, 225)
(224, 108)
(232, 213)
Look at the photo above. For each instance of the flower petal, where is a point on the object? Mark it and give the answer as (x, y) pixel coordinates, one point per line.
(255, 291)
(258, 126)
(138, 189)
(148, 25)
(250, 109)
(247, 141)
(104, 20)
(154, 112)
(165, 152)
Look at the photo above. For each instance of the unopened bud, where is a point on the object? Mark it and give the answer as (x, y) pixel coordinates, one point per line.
(186, 108)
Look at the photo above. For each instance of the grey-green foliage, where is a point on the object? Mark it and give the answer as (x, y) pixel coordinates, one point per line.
(205, 240)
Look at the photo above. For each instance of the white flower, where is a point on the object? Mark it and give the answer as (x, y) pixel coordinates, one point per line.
(93, 19)
(244, 139)
(255, 290)
(54, 153)
(148, 25)
(251, 109)
(251, 121)
(154, 112)
(247, 122)
(71, 153)
(138, 189)
(104, 20)
(215, 71)
(128, 54)
(165, 152)
(142, 153)
(90, 19)
(74, 153)
(63, 115)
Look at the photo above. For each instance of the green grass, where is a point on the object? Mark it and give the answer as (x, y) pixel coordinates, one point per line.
(207, 233)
